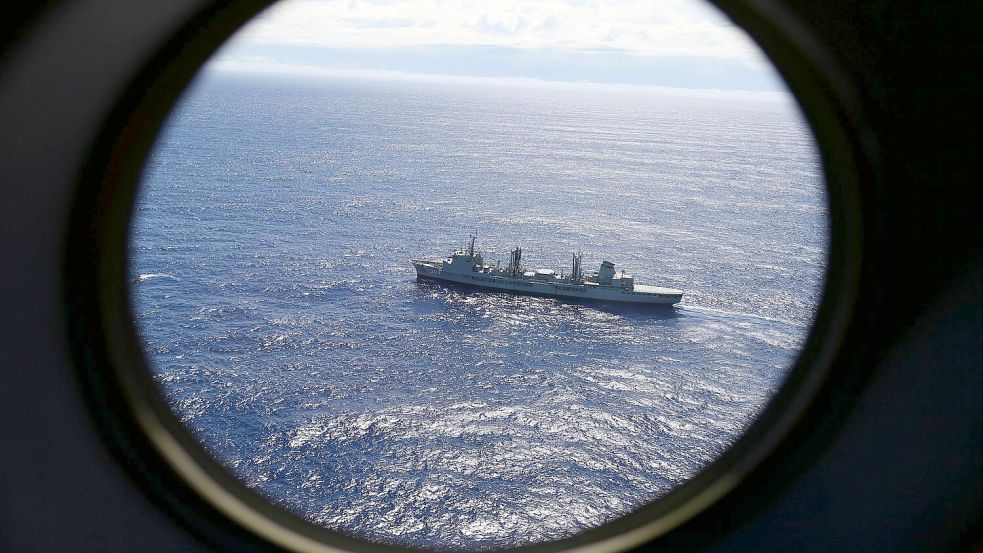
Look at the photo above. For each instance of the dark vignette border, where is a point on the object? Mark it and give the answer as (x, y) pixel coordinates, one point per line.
(791, 432)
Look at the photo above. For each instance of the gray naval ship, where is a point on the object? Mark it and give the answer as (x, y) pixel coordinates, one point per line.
(467, 266)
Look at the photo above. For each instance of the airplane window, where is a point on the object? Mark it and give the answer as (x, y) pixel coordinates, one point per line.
(292, 291)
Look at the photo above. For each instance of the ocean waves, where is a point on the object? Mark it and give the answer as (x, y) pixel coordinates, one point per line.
(273, 292)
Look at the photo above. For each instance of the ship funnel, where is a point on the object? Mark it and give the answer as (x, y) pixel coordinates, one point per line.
(606, 273)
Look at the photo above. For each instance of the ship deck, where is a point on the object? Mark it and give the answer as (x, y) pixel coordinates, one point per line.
(656, 289)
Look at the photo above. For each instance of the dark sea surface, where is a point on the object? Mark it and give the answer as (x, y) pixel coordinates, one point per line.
(272, 286)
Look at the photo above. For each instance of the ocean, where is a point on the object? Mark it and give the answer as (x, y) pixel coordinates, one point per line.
(272, 289)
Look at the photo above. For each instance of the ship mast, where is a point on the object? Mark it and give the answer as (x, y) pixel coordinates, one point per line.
(471, 247)
(576, 272)
(515, 257)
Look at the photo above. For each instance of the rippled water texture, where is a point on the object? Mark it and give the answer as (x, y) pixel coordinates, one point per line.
(272, 286)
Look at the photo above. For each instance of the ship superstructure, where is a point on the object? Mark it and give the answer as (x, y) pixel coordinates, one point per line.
(467, 266)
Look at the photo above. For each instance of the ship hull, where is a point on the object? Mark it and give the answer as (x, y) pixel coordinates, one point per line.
(642, 295)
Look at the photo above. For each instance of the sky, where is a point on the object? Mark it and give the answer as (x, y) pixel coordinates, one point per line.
(668, 43)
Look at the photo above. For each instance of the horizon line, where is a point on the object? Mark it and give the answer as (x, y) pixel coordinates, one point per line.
(269, 67)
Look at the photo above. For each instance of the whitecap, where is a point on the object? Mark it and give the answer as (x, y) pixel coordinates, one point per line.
(149, 276)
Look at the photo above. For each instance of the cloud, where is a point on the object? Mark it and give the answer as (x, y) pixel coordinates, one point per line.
(382, 23)
(645, 27)
(685, 43)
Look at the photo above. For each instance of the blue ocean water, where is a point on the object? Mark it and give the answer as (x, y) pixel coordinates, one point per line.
(272, 287)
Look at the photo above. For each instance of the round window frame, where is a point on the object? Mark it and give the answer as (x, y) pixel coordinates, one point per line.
(161, 455)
